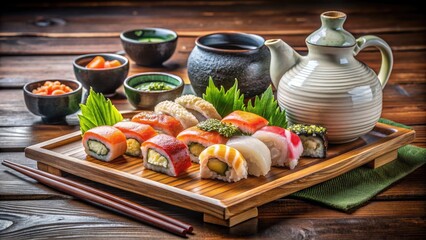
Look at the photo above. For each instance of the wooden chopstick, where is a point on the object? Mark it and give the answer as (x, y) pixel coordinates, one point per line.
(108, 196)
(104, 199)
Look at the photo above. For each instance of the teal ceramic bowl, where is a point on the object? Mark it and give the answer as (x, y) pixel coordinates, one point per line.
(104, 80)
(144, 99)
(54, 108)
(149, 46)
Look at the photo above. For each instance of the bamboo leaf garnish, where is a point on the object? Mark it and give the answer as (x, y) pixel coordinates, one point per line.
(267, 107)
(98, 111)
(225, 102)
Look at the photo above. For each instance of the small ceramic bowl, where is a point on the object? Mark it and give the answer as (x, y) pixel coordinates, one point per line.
(144, 99)
(102, 80)
(56, 107)
(149, 46)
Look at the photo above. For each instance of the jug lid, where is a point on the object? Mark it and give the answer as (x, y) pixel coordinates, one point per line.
(331, 32)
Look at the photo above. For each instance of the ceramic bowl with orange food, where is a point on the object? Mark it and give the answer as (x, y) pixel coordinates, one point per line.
(104, 72)
(54, 99)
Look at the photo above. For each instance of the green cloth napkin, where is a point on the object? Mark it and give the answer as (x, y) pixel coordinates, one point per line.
(352, 189)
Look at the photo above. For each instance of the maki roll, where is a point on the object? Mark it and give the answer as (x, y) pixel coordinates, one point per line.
(247, 122)
(161, 122)
(104, 143)
(255, 152)
(165, 154)
(177, 111)
(222, 162)
(314, 139)
(199, 107)
(136, 134)
(197, 140)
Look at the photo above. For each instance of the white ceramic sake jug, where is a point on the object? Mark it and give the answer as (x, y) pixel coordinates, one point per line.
(329, 87)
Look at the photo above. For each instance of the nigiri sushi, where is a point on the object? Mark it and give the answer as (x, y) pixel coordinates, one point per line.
(163, 123)
(247, 122)
(222, 162)
(136, 134)
(314, 139)
(177, 111)
(197, 140)
(274, 138)
(255, 152)
(165, 154)
(295, 148)
(104, 143)
(199, 107)
(284, 145)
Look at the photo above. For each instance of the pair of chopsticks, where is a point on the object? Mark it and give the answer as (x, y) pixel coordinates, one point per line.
(104, 199)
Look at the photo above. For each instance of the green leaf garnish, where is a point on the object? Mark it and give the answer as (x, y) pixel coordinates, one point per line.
(225, 102)
(267, 107)
(97, 111)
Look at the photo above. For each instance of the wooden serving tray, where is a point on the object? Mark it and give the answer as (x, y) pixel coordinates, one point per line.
(221, 202)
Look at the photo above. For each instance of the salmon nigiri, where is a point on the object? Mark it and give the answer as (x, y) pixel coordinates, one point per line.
(247, 122)
(222, 162)
(197, 140)
(104, 143)
(160, 122)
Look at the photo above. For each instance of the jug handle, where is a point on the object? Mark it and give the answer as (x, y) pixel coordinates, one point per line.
(385, 50)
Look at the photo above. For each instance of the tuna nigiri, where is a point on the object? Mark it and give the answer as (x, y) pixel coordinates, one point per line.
(247, 122)
(161, 122)
(104, 143)
(197, 140)
(165, 154)
(222, 162)
(136, 134)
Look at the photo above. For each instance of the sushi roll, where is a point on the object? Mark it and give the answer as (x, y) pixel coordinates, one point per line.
(177, 111)
(222, 162)
(104, 143)
(199, 107)
(136, 134)
(274, 138)
(247, 122)
(197, 140)
(165, 154)
(314, 139)
(255, 152)
(163, 123)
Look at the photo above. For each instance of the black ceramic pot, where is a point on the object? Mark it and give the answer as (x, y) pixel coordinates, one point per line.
(229, 56)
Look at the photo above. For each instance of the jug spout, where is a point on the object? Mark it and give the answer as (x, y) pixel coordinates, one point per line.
(283, 57)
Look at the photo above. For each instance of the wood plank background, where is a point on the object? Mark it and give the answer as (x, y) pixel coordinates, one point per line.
(39, 41)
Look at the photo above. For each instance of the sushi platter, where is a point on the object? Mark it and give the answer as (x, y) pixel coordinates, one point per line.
(221, 202)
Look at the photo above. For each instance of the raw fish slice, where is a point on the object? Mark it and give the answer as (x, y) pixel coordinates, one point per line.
(136, 134)
(255, 152)
(104, 143)
(160, 122)
(276, 141)
(199, 107)
(295, 148)
(294, 144)
(247, 122)
(177, 111)
(222, 162)
(197, 140)
(165, 154)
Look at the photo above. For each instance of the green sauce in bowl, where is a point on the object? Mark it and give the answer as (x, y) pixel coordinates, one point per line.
(154, 86)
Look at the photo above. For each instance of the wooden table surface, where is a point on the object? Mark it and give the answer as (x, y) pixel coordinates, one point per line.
(39, 41)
